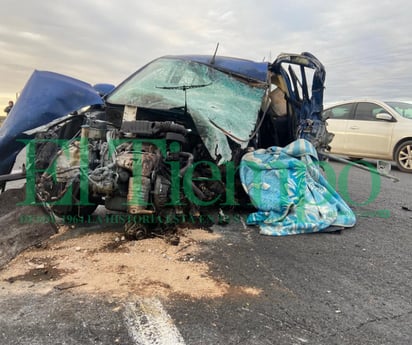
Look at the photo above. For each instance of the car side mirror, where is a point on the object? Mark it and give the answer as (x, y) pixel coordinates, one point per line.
(384, 116)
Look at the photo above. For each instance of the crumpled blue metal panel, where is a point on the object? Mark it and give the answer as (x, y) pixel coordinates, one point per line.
(243, 67)
(45, 97)
(306, 101)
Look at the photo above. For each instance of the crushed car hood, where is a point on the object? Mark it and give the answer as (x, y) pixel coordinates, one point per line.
(45, 97)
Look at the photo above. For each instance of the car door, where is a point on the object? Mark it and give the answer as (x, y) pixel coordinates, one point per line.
(367, 136)
(337, 119)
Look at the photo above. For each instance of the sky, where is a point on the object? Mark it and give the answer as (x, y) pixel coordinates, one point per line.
(365, 46)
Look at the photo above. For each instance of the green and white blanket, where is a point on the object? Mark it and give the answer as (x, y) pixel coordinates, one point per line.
(291, 195)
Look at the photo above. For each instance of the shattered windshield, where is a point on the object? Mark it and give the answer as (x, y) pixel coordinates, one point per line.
(218, 102)
(402, 108)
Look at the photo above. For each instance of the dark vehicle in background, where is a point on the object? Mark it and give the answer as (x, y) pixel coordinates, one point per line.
(167, 140)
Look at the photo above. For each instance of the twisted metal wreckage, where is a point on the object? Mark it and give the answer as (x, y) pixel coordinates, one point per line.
(181, 134)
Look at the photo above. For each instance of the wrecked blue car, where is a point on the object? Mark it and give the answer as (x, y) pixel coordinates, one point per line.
(164, 143)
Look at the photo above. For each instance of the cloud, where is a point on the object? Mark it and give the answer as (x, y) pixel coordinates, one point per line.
(365, 46)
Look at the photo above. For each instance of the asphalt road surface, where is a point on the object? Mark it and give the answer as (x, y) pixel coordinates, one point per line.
(351, 287)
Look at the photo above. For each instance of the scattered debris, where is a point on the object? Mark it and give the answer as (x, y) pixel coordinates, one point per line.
(39, 273)
(108, 264)
(68, 285)
(23, 226)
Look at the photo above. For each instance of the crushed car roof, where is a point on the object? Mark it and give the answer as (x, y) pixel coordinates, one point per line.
(247, 68)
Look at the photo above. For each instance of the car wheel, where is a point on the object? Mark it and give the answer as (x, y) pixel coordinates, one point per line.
(403, 156)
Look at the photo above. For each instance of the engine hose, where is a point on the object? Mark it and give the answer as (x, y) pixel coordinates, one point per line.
(198, 192)
(182, 171)
(169, 126)
(189, 162)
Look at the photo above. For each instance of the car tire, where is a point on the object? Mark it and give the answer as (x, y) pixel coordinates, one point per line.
(403, 156)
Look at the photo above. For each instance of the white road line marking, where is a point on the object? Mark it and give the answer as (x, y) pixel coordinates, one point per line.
(149, 323)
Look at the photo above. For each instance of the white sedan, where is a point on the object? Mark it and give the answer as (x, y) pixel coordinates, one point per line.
(372, 129)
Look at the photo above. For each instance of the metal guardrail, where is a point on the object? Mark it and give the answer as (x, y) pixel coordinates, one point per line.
(377, 171)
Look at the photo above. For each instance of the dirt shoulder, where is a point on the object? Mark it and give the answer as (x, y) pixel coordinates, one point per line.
(106, 263)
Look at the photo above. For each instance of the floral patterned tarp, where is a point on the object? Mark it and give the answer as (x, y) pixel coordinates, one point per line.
(285, 184)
